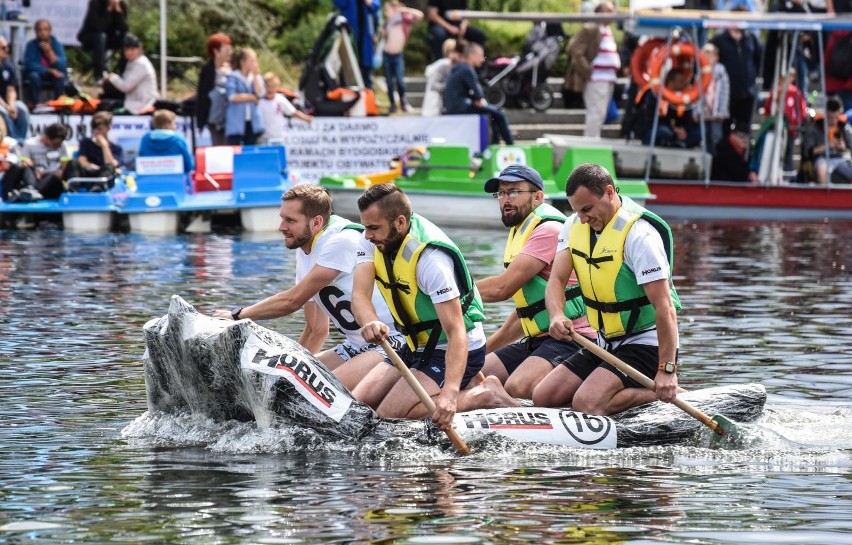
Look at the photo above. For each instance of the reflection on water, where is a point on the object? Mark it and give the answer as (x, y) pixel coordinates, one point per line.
(766, 303)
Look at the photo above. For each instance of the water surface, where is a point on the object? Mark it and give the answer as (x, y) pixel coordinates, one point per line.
(80, 463)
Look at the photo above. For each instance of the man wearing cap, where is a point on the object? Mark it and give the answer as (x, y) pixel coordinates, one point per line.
(424, 280)
(533, 231)
(623, 256)
(138, 82)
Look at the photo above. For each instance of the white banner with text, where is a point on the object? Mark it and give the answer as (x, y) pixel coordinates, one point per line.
(361, 145)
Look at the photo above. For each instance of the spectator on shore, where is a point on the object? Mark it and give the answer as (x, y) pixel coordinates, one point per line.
(398, 21)
(729, 160)
(13, 111)
(363, 18)
(275, 107)
(463, 94)
(243, 122)
(676, 127)
(97, 156)
(441, 27)
(104, 27)
(211, 99)
(17, 181)
(138, 83)
(716, 99)
(48, 156)
(795, 108)
(164, 140)
(838, 167)
(740, 53)
(45, 62)
(838, 66)
(593, 69)
(436, 79)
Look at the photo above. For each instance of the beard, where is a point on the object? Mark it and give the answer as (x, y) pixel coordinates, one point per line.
(516, 217)
(299, 240)
(513, 220)
(391, 244)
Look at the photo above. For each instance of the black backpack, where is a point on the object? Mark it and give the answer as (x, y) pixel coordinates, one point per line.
(840, 58)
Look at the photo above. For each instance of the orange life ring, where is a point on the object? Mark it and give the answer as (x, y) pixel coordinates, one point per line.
(639, 60)
(682, 53)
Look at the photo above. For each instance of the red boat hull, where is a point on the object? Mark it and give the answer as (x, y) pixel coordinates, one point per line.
(719, 200)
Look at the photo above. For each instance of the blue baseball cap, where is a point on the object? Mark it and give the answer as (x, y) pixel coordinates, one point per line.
(513, 174)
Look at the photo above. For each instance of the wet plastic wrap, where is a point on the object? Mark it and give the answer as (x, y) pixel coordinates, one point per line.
(240, 370)
(228, 370)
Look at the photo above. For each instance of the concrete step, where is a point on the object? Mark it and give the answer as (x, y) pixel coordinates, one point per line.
(529, 132)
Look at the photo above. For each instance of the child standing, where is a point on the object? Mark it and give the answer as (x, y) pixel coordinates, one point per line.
(716, 99)
(399, 20)
(795, 114)
(274, 107)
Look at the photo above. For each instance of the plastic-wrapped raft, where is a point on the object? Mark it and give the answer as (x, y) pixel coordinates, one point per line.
(240, 370)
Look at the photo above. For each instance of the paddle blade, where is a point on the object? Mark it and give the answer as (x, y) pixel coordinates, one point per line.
(726, 430)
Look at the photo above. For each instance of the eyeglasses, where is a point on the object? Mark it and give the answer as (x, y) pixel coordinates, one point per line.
(512, 193)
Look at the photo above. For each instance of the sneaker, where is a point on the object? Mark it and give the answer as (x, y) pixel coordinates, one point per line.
(12, 196)
(404, 104)
(392, 109)
(29, 194)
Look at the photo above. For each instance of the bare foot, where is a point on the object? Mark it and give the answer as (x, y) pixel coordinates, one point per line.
(489, 394)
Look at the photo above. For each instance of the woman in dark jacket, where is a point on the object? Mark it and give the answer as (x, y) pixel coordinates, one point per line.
(104, 27)
(212, 77)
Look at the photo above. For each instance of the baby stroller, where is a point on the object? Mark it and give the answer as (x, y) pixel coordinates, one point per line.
(523, 78)
(331, 65)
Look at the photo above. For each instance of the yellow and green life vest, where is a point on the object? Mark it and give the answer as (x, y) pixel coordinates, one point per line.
(529, 300)
(616, 303)
(413, 310)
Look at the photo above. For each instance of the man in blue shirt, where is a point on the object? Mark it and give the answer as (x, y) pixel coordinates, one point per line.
(463, 94)
(45, 62)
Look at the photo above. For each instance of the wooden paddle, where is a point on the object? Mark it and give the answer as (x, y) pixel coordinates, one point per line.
(412, 381)
(719, 424)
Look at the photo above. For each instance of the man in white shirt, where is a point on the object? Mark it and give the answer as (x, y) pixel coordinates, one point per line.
(326, 247)
(622, 255)
(425, 282)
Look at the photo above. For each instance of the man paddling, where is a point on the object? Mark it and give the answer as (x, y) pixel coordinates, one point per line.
(622, 254)
(326, 246)
(424, 279)
(531, 246)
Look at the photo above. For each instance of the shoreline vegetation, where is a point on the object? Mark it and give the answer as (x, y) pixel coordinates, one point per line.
(283, 31)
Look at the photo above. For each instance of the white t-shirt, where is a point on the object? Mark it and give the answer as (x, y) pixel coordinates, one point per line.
(273, 111)
(336, 249)
(435, 278)
(643, 252)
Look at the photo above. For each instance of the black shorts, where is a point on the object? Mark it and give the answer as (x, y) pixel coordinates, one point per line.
(437, 366)
(543, 346)
(642, 357)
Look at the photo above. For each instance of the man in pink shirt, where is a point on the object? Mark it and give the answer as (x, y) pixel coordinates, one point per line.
(522, 352)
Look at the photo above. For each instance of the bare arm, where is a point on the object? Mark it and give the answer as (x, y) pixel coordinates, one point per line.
(316, 328)
(450, 315)
(501, 287)
(554, 295)
(435, 17)
(363, 284)
(509, 332)
(415, 13)
(659, 296)
(289, 301)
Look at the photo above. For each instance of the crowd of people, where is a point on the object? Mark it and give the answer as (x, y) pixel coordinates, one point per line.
(239, 104)
(397, 277)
